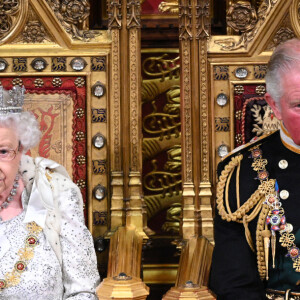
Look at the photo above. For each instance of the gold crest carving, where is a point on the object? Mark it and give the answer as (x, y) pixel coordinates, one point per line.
(34, 32)
(260, 71)
(169, 6)
(282, 35)
(59, 64)
(20, 64)
(100, 218)
(98, 115)
(11, 16)
(241, 16)
(221, 72)
(246, 24)
(98, 63)
(99, 166)
(71, 14)
(222, 124)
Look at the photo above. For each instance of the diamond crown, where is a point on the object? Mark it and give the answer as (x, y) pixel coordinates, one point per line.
(11, 101)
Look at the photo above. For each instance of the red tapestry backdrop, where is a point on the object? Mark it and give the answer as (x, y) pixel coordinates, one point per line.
(59, 103)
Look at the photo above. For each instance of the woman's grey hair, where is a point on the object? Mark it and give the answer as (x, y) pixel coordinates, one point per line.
(284, 58)
(26, 126)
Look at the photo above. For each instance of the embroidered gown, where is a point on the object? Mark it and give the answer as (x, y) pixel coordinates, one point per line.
(44, 277)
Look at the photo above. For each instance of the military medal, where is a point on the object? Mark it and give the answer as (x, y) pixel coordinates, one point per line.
(275, 219)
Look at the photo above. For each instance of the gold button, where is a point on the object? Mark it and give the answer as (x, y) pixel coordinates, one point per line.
(284, 194)
(283, 164)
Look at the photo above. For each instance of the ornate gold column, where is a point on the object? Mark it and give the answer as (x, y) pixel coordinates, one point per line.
(123, 281)
(117, 182)
(189, 194)
(204, 205)
(194, 32)
(132, 110)
(125, 106)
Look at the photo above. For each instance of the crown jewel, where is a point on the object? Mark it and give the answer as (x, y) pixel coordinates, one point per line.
(11, 101)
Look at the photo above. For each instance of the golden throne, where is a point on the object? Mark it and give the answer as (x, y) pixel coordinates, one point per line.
(87, 88)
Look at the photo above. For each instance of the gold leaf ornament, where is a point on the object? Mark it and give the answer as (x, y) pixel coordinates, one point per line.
(259, 164)
(296, 264)
(267, 187)
(287, 240)
(12, 278)
(26, 253)
(241, 16)
(33, 228)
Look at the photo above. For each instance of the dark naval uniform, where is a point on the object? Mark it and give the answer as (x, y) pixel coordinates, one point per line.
(234, 272)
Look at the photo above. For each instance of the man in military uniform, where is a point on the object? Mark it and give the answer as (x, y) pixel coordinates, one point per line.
(257, 223)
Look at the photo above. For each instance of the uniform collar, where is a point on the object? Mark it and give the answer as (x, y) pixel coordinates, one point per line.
(287, 140)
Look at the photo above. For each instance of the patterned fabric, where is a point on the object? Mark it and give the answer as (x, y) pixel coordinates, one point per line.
(273, 296)
(45, 278)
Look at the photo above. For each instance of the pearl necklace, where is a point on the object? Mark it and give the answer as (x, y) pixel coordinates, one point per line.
(12, 193)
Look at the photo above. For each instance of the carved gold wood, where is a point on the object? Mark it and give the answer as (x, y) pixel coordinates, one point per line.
(193, 273)
(123, 289)
(222, 80)
(117, 183)
(280, 23)
(124, 23)
(126, 146)
(295, 17)
(30, 31)
(284, 31)
(241, 16)
(17, 12)
(194, 33)
(54, 29)
(276, 21)
(124, 267)
(134, 214)
(11, 16)
(170, 6)
(252, 39)
(126, 243)
(72, 14)
(189, 193)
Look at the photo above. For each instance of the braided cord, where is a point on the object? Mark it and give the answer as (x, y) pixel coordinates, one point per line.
(261, 226)
(256, 202)
(241, 212)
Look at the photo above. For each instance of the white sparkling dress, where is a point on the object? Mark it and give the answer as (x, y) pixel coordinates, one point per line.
(45, 277)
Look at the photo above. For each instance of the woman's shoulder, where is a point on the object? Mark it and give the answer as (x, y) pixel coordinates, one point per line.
(41, 169)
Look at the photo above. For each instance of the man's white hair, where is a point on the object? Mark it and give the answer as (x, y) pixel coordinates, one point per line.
(26, 126)
(285, 58)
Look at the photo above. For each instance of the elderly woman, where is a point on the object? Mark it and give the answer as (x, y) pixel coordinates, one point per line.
(46, 251)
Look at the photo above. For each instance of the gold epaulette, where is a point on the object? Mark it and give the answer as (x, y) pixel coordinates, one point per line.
(244, 146)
